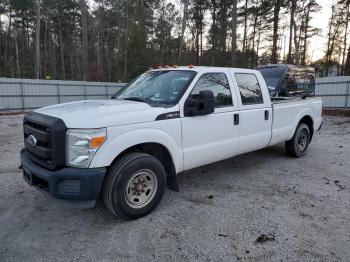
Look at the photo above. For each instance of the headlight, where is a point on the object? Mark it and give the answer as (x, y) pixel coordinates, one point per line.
(82, 145)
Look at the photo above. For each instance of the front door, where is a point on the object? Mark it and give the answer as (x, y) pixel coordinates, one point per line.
(215, 136)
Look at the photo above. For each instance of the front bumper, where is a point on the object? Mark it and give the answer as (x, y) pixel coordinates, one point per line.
(76, 184)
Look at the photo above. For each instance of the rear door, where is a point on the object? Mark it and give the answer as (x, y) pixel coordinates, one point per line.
(213, 137)
(255, 112)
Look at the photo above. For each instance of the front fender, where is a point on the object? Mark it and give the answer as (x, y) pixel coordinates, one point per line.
(117, 143)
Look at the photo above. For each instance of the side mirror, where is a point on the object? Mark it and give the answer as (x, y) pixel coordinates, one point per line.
(202, 104)
(206, 102)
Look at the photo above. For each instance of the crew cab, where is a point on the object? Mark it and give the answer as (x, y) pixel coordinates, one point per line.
(125, 150)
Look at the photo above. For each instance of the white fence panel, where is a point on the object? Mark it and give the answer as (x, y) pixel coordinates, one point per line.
(335, 91)
(27, 94)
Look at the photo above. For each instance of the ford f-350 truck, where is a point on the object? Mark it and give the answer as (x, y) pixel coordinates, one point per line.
(125, 150)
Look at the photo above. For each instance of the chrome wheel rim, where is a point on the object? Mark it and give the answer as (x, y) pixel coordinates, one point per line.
(302, 140)
(141, 188)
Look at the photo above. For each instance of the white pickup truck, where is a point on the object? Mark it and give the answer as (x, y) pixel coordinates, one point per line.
(127, 149)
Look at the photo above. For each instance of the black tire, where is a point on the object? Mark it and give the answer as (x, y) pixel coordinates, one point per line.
(297, 146)
(116, 187)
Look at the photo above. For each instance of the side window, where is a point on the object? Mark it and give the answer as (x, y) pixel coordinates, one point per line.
(218, 84)
(249, 89)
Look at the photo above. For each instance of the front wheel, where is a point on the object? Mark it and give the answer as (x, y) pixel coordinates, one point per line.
(134, 185)
(299, 143)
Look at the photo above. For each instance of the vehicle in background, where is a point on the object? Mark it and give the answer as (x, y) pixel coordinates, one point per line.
(289, 80)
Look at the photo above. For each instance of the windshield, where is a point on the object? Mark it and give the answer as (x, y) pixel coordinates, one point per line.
(272, 76)
(157, 87)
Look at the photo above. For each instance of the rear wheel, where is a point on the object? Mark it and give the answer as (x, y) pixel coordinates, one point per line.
(299, 143)
(134, 185)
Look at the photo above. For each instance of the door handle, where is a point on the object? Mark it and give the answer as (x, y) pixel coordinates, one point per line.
(236, 119)
(267, 114)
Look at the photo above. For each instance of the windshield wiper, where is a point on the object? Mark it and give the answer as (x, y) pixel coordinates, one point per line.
(137, 99)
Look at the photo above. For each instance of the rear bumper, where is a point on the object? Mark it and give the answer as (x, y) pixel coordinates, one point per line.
(75, 184)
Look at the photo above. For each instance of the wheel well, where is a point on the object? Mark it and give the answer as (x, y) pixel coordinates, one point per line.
(157, 150)
(310, 123)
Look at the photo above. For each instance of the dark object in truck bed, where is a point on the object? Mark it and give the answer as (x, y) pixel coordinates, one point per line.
(289, 80)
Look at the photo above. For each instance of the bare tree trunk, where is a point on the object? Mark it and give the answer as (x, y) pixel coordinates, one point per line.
(347, 64)
(23, 40)
(162, 50)
(253, 38)
(45, 50)
(183, 28)
(78, 64)
(234, 33)
(2, 63)
(197, 45)
(37, 41)
(291, 26)
(223, 27)
(8, 37)
(201, 48)
(213, 35)
(258, 44)
(108, 62)
(297, 43)
(345, 37)
(99, 67)
(125, 59)
(71, 57)
(83, 10)
(53, 59)
(306, 36)
(61, 49)
(17, 55)
(245, 26)
(129, 29)
(276, 11)
(326, 69)
(107, 53)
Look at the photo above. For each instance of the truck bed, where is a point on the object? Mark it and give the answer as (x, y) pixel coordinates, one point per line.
(287, 112)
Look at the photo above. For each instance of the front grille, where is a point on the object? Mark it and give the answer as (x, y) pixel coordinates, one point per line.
(42, 150)
(48, 132)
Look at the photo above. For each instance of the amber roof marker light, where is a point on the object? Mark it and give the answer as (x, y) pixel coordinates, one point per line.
(190, 66)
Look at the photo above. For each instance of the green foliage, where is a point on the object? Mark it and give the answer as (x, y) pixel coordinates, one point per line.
(126, 37)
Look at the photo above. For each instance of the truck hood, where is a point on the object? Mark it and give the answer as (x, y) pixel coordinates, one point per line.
(102, 113)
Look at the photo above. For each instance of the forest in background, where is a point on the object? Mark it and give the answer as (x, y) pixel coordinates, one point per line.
(115, 40)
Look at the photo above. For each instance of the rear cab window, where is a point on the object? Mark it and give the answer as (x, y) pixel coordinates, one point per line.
(249, 88)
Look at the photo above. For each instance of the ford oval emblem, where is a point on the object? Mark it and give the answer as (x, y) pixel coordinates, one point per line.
(31, 140)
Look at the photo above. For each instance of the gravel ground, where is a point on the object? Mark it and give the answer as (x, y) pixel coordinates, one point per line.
(262, 206)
